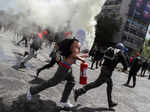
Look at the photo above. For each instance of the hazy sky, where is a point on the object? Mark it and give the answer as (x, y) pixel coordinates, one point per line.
(5, 4)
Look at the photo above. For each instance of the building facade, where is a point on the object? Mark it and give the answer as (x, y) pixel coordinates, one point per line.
(133, 29)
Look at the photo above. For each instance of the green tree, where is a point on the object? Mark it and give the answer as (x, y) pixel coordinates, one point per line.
(146, 50)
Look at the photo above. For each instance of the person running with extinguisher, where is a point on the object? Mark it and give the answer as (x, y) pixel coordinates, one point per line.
(70, 50)
(111, 59)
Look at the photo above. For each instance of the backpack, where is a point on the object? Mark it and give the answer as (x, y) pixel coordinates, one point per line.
(109, 54)
(136, 64)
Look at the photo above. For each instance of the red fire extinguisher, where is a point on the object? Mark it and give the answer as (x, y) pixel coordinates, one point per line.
(83, 73)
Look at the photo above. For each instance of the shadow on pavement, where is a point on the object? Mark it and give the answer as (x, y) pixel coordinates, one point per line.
(37, 105)
(17, 53)
(88, 109)
(128, 86)
(3, 107)
(36, 81)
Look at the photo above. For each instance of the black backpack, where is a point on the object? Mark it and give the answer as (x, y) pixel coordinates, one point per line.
(109, 54)
(136, 64)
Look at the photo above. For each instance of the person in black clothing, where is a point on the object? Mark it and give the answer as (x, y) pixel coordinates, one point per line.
(95, 59)
(111, 59)
(91, 53)
(148, 70)
(144, 68)
(24, 38)
(55, 58)
(135, 67)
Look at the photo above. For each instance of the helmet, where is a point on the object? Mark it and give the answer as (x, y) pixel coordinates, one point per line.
(120, 46)
(109, 53)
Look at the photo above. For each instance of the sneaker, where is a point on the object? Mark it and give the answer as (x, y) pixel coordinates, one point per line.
(133, 86)
(17, 44)
(26, 53)
(112, 104)
(29, 96)
(66, 105)
(35, 55)
(125, 84)
(21, 65)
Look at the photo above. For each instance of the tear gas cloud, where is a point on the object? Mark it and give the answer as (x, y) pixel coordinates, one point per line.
(59, 14)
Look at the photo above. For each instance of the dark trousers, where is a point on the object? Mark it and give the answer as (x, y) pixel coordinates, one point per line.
(133, 75)
(149, 74)
(61, 74)
(51, 64)
(93, 64)
(143, 72)
(104, 77)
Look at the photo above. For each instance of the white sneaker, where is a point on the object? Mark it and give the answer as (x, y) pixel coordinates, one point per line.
(29, 96)
(66, 105)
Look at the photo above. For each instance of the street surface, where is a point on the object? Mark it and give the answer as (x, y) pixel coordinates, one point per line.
(14, 84)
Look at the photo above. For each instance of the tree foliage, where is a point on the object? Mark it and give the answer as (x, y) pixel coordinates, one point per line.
(146, 49)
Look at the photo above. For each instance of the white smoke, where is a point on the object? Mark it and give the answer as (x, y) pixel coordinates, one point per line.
(57, 14)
